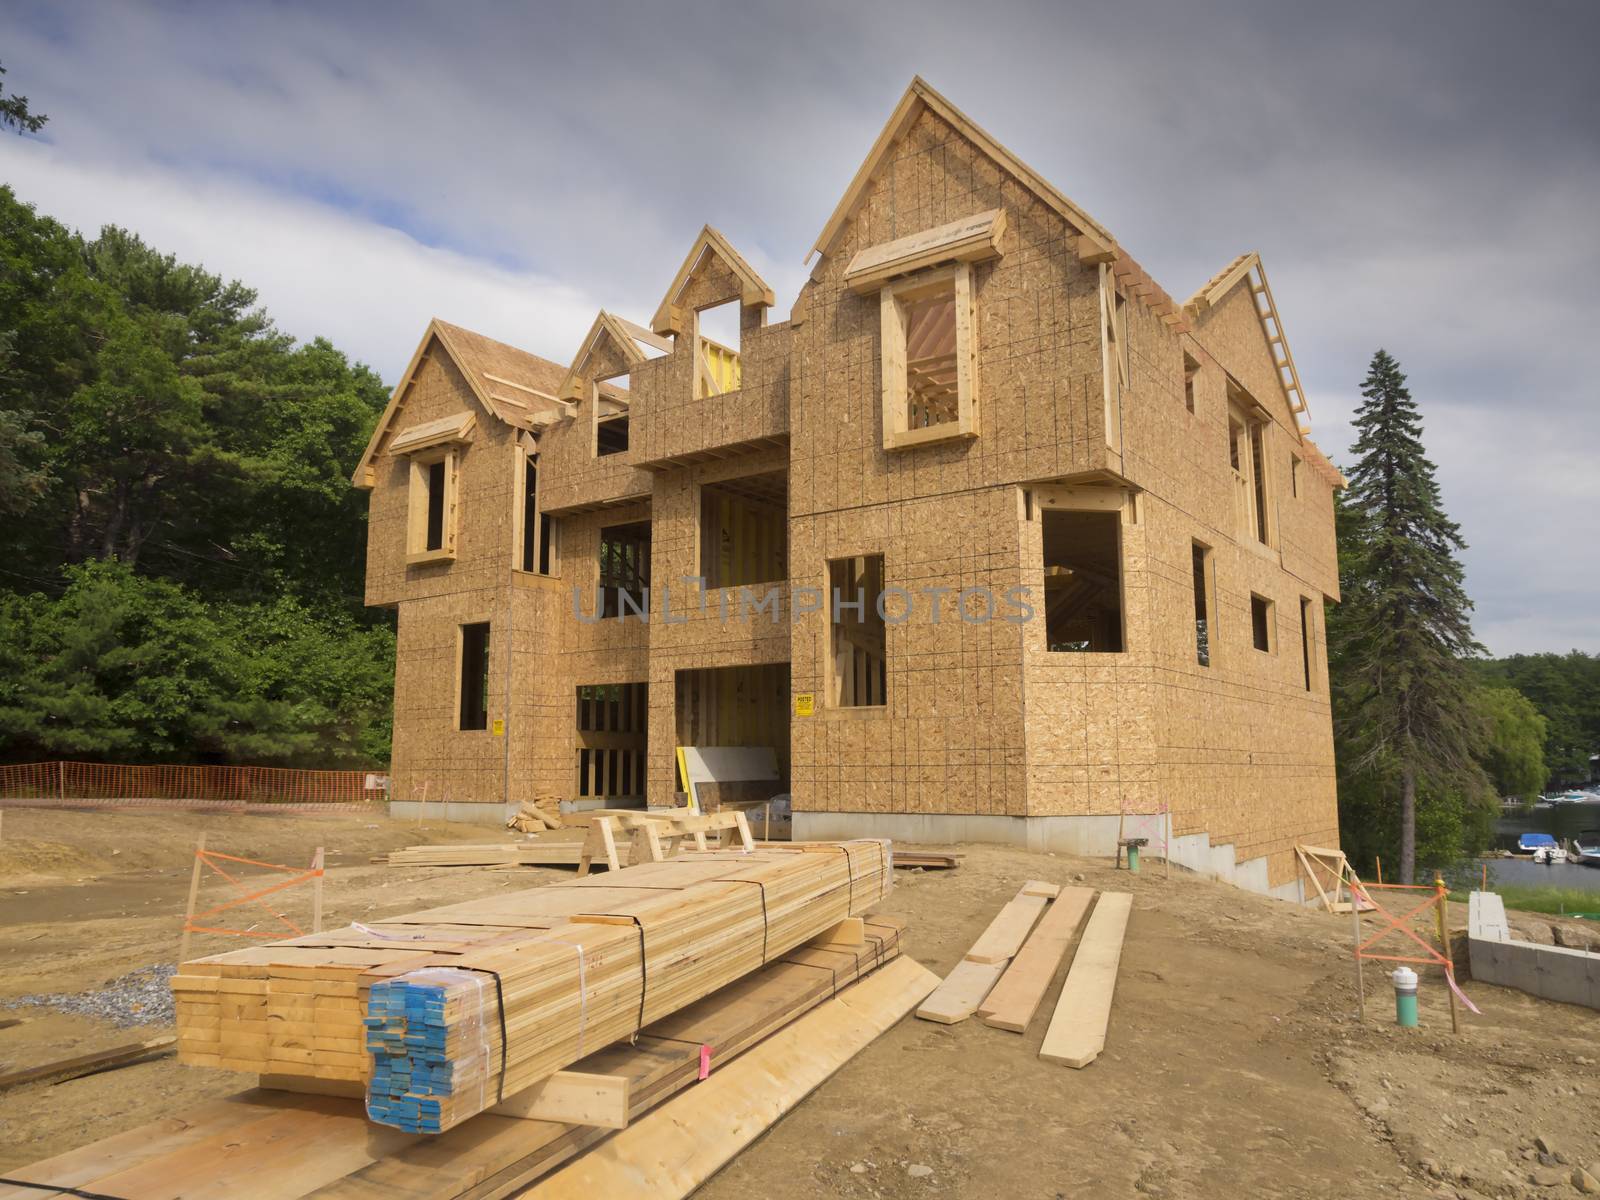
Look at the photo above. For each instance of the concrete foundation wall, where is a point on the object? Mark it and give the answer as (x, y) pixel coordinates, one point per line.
(1087, 837)
(1549, 972)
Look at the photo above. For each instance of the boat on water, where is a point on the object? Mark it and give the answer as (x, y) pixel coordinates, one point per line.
(1587, 844)
(1543, 847)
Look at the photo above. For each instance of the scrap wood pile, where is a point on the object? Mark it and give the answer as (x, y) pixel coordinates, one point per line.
(532, 816)
(449, 1012)
(1003, 978)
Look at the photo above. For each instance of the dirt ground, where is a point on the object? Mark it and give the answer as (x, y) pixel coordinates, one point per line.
(1235, 1066)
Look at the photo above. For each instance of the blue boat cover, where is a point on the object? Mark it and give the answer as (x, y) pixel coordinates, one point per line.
(1532, 841)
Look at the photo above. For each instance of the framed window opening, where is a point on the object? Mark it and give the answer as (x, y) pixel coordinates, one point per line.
(1263, 624)
(857, 675)
(611, 415)
(624, 570)
(744, 530)
(929, 358)
(1252, 477)
(1083, 578)
(717, 339)
(431, 507)
(537, 531)
(473, 688)
(1116, 362)
(1204, 601)
(1305, 639)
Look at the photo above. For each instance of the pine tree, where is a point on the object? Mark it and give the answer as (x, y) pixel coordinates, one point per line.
(1402, 636)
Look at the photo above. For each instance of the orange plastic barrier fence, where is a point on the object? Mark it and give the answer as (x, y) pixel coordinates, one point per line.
(195, 922)
(254, 785)
(1401, 922)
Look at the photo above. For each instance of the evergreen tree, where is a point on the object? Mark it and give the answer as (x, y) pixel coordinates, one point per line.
(1404, 697)
(15, 115)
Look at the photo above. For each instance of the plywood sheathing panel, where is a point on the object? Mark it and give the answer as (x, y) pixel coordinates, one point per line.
(980, 718)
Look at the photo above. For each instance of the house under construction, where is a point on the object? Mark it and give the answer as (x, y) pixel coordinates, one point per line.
(988, 539)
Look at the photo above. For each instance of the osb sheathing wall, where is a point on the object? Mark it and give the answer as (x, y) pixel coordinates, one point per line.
(951, 737)
(980, 717)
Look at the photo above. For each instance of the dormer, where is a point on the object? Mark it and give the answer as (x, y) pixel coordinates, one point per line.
(713, 299)
(598, 380)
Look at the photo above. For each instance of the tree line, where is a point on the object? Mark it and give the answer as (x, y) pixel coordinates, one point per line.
(181, 552)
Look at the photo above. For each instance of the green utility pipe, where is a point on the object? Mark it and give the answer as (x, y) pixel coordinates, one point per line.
(1133, 859)
(1405, 997)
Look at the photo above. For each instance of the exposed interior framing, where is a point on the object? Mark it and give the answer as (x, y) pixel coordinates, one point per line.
(929, 362)
(744, 530)
(612, 745)
(857, 662)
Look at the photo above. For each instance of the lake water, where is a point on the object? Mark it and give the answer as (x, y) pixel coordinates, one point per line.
(1563, 822)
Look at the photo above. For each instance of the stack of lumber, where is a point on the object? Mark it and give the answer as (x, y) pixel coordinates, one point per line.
(232, 1147)
(552, 848)
(561, 969)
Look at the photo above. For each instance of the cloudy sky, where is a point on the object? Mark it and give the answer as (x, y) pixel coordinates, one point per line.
(1422, 176)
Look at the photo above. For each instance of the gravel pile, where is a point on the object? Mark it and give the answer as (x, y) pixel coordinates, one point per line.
(141, 997)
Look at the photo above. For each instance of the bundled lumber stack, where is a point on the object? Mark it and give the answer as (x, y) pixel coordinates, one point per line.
(552, 848)
(561, 970)
(235, 1147)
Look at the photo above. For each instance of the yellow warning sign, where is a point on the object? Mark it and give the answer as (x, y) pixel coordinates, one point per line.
(805, 704)
(499, 728)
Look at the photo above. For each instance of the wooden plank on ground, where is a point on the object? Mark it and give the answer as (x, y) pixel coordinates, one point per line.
(1077, 1030)
(85, 1064)
(679, 1145)
(1010, 927)
(962, 991)
(1021, 989)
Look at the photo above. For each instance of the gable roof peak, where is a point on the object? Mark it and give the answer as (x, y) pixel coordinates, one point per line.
(1095, 242)
(507, 382)
(711, 243)
(1247, 268)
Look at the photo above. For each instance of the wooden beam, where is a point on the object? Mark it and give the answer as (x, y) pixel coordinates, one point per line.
(676, 1147)
(1077, 1030)
(88, 1064)
(1009, 929)
(572, 1098)
(961, 993)
(1021, 989)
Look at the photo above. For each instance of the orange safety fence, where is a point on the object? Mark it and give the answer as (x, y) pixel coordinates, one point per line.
(67, 781)
(1401, 923)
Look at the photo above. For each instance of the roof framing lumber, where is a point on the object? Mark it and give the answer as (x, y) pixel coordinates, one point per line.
(1247, 268)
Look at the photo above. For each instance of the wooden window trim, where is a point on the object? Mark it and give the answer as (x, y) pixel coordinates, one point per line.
(892, 302)
(523, 459)
(417, 551)
(1116, 361)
